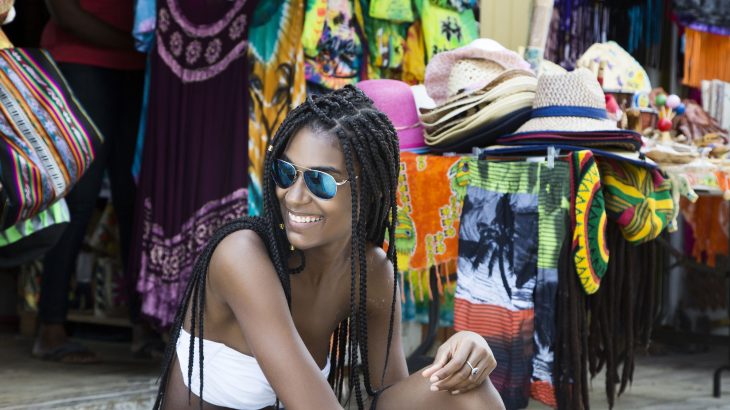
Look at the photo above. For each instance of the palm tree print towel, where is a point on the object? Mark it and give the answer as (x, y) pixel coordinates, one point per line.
(512, 227)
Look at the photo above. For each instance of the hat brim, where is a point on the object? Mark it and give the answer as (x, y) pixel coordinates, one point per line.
(506, 85)
(621, 139)
(486, 135)
(634, 158)
(568, 124)
(499, 108)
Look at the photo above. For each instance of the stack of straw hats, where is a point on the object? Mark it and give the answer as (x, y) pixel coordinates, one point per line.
(481, 90)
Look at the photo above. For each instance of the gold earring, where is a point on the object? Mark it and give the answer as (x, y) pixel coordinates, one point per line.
(291, 247)
(271, 148)
(281, 226)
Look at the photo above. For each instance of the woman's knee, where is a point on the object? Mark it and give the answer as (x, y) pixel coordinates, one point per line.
(482, 397)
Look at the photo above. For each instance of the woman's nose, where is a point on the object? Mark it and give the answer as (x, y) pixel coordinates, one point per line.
(298, 192)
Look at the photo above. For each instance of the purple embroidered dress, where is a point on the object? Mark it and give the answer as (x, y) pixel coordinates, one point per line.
(194, 165)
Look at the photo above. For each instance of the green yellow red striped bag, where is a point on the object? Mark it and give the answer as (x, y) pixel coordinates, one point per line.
(47, 141)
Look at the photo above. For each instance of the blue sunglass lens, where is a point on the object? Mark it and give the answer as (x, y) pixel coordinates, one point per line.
(284, 173)
(321, 184)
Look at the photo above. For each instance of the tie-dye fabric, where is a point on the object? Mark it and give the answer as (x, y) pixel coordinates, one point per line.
(143, 30)
(430, 191)
(458, 5)
(512, 227)
(445, 29)
(394, 10)
(276, 82)
(332, 43)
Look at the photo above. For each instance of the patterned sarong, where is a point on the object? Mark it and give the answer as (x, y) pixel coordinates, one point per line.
(512, 228)
(276, 82)
(430, 191)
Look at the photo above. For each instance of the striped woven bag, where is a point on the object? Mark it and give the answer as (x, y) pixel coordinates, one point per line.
(47, 139)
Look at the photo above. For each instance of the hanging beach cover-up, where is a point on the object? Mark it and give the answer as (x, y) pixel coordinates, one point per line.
(193, 174)
(508, 276)
(446, 29)
(332, 43)
(276, 81)
(430, 192)
(386, 26)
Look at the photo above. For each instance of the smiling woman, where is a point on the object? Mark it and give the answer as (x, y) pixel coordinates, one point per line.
(304, 298)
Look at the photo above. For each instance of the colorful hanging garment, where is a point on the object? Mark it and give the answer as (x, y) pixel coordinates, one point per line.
(430, 191)
(446, 29)
(414, 59)
(513, 224)
(399, 11)
(386, 44)
(276, 82)
(143, 29)
(332, 43)
(638, 199)
(590, 253)
(194, 165)
(458, 5)
(705, 57)
(709, 218)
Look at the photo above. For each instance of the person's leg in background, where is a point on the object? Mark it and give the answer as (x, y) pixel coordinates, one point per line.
(91, 85)
(145, 343)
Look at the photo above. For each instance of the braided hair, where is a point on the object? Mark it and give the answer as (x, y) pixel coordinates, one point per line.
(370, 145)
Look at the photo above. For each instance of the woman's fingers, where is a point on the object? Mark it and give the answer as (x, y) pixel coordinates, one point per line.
(442, 357)
(462, 378)
(450, 373)
(473, 380)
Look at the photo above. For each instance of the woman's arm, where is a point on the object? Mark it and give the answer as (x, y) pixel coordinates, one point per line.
(69, 15)
(380, 295)
(242, 275)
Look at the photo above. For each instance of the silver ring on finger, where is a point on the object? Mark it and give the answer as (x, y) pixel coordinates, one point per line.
(474, 370)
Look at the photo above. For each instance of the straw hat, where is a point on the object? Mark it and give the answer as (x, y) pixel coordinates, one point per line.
(477, 62)
(507, 82)
(487, 134)
(572, 106)
(493, 111)
(395, 99)
(572, 101)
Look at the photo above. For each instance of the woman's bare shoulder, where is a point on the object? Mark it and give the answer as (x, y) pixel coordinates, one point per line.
(242, 255)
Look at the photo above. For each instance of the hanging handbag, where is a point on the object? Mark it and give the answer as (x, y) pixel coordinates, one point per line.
(47, 141)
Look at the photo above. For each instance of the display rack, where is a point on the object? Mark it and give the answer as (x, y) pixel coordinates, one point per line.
(684, 261)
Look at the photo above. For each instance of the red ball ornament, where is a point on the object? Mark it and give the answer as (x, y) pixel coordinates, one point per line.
(664, 124)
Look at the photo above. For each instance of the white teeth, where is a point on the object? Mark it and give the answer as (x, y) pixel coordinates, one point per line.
(304, 219)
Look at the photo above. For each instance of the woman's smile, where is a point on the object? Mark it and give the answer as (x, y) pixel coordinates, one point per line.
(302, 220)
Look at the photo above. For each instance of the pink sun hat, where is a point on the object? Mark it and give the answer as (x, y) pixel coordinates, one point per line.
(438, 69)
(396, 100)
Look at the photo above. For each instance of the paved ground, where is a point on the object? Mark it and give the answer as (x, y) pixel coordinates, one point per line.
(671, 381)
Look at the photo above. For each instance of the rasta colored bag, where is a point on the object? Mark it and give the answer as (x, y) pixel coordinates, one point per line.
(47, 141)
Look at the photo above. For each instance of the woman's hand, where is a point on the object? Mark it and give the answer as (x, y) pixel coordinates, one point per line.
(450, 370)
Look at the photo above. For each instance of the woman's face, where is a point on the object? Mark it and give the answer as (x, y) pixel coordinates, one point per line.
(310, 221)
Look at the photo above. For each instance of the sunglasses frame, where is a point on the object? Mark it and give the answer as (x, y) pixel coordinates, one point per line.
(301, 170)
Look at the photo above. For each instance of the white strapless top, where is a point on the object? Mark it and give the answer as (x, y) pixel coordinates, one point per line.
(232, 379)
